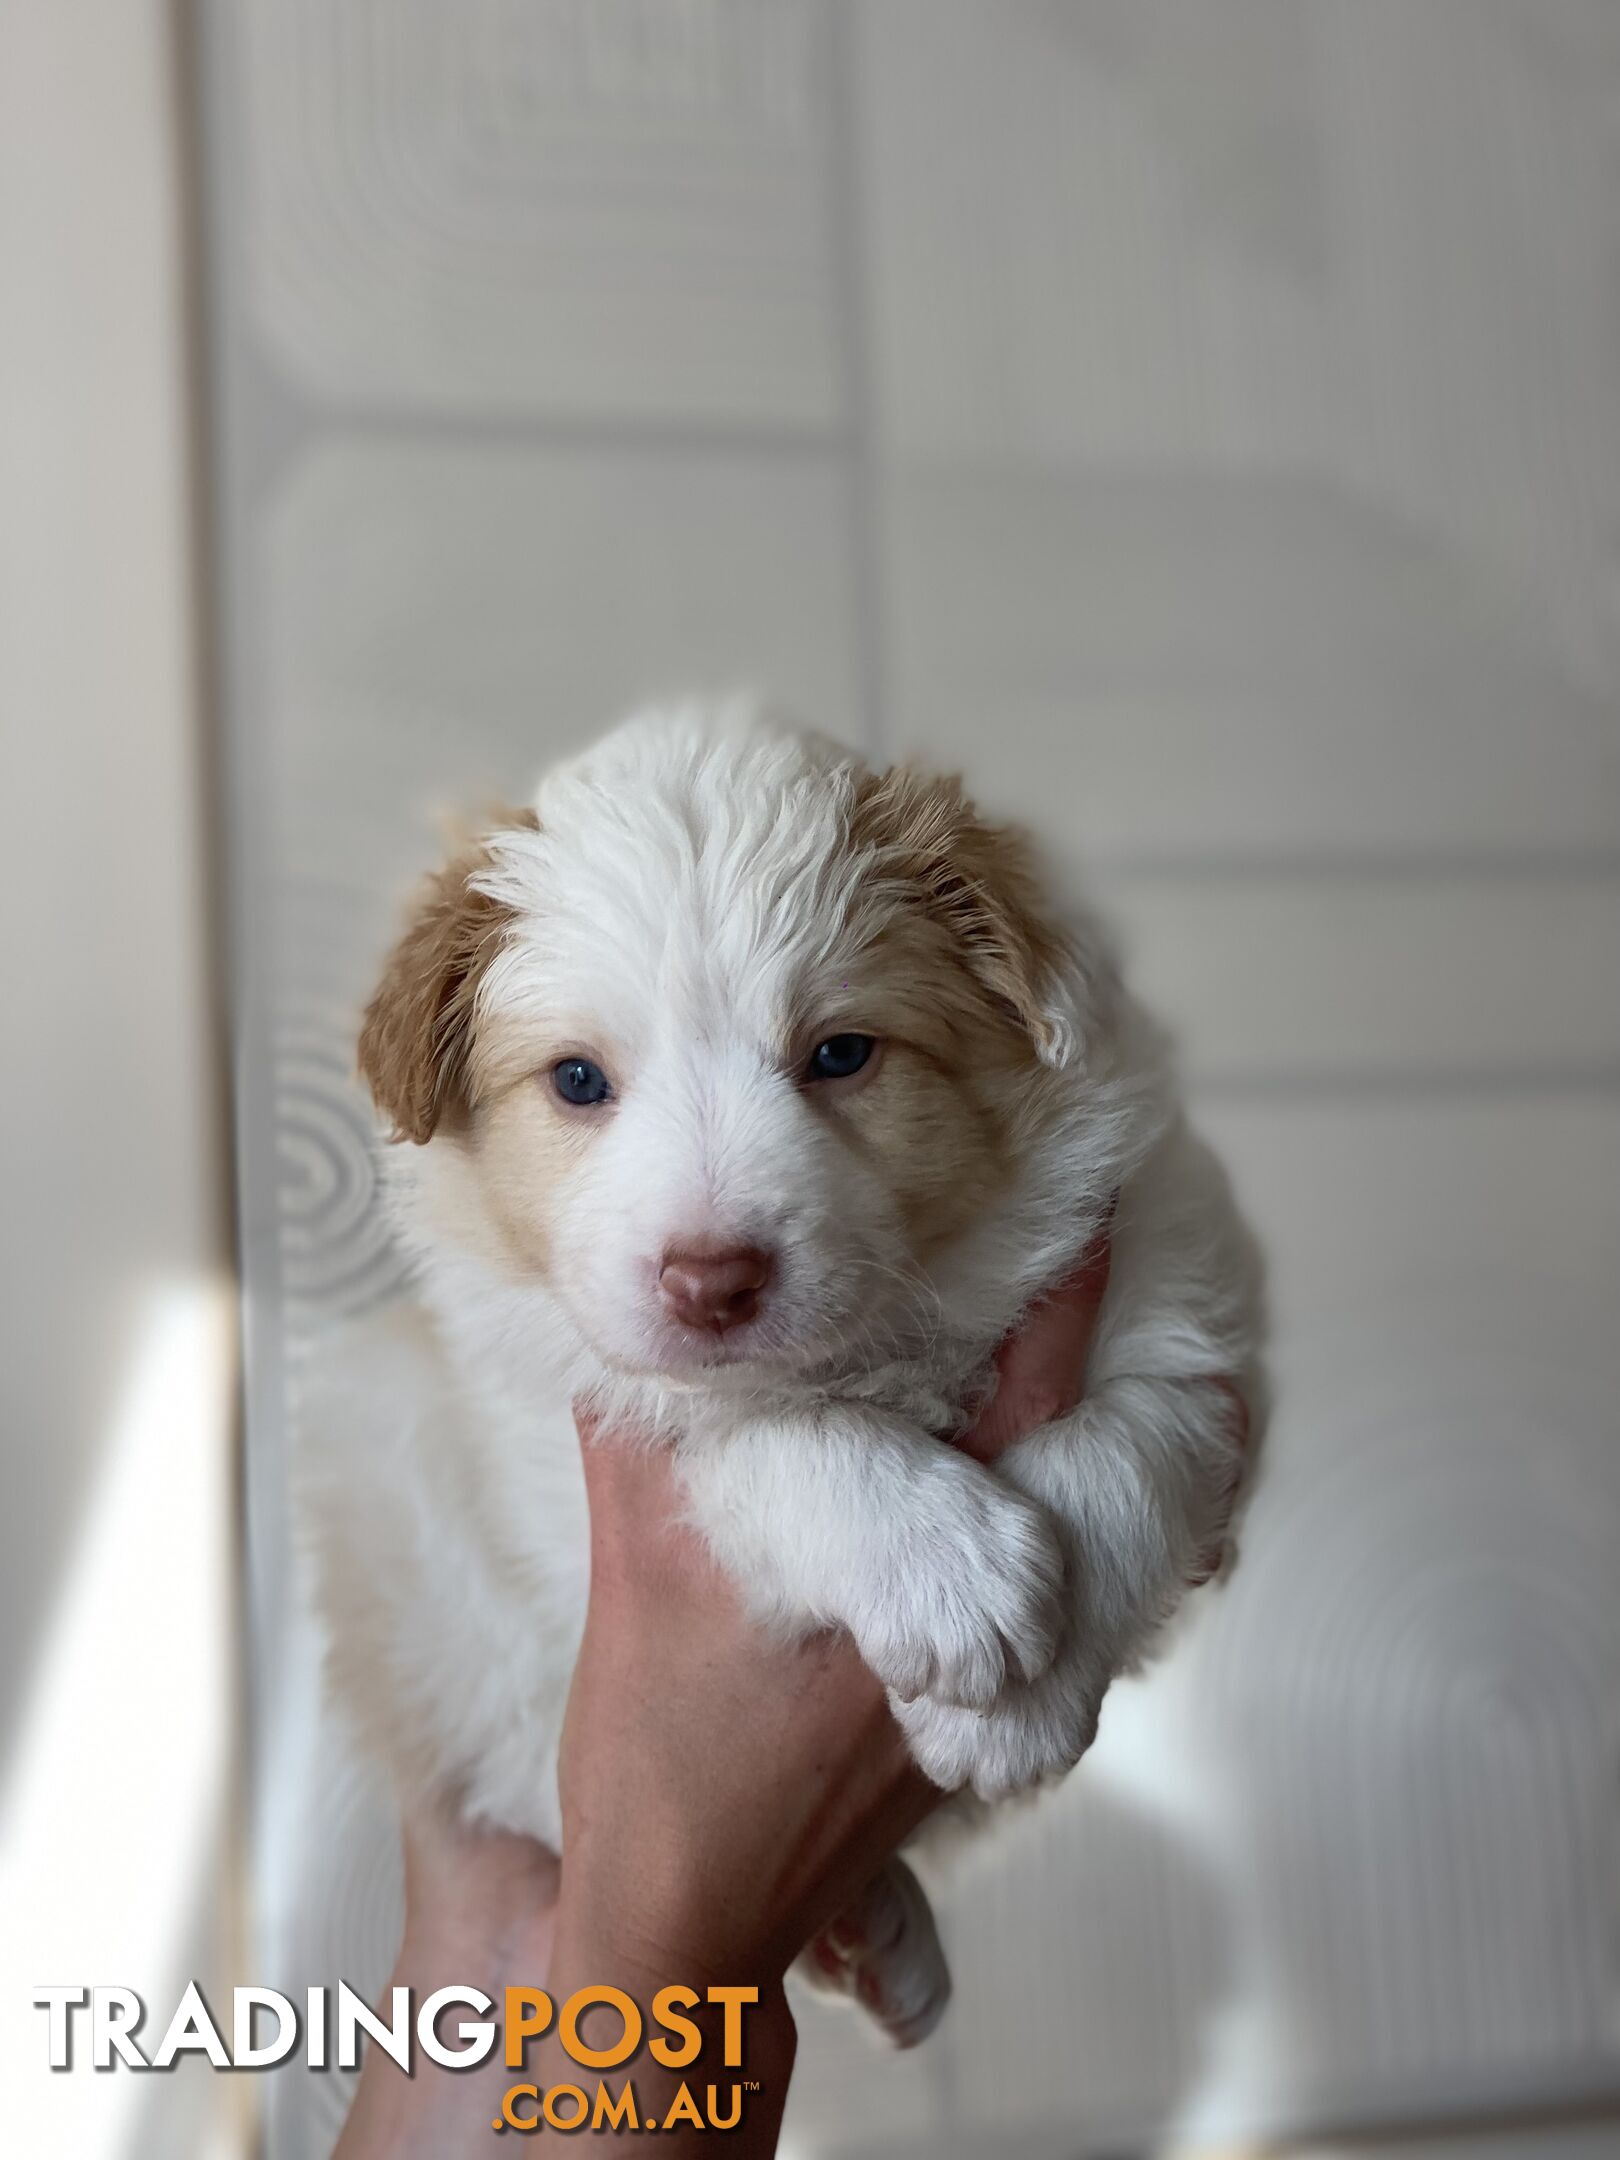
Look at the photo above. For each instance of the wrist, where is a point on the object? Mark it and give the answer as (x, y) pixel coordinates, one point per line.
(642, 1950)
(662, 1916)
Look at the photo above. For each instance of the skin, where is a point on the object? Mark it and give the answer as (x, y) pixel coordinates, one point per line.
(776, 1780)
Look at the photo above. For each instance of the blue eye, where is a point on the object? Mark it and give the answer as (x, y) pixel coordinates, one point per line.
(577, 1080)
(839, 1056)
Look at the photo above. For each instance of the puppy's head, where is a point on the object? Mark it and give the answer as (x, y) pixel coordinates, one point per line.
(723, 1042)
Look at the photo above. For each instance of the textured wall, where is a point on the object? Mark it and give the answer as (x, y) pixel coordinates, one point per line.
(1200, 422)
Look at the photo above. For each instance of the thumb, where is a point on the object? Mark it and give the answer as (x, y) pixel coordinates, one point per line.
(1041, 1367)
(631, 1487)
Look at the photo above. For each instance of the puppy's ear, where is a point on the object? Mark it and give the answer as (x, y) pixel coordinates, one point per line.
(416, 1038)
(978, 880)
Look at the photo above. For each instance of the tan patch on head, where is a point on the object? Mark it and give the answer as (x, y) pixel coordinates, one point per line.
(416, 1039)
(936, 1122)
(977, 882)
(967, 983)
(933, 1142)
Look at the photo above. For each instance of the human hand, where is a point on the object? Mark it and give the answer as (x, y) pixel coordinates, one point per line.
(726, 1795)
(777, 1774)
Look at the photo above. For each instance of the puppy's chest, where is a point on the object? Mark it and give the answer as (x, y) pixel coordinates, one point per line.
(939, 1392)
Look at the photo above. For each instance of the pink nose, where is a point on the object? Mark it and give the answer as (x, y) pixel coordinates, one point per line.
(713, 1286)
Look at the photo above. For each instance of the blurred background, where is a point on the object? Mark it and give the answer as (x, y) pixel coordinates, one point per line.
(1199, 420)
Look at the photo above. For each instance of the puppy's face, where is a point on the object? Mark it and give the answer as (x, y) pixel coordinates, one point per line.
(722, 1044)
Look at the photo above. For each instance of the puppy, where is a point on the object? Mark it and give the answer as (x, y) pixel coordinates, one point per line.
(750, 1097)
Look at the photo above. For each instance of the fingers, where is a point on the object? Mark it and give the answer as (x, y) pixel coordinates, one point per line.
(1210, 1561)
(607, 1470)
(635, 1500)
(1041, 1368)
(1240, 1414)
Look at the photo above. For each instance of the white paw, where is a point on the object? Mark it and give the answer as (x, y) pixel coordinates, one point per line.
(884, 1950)
(978, 1603)
(1029, 1736)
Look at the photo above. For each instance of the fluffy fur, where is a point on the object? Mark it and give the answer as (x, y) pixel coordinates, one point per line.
(693, 905)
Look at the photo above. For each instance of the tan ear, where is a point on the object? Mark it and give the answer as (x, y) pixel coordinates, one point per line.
(979, 880)
(416, 1038)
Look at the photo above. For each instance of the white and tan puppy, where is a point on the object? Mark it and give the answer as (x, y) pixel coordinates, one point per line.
(752, 1098)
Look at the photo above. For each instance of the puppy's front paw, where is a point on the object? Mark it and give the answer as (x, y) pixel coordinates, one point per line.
(1028, 1736)
(977, 1602)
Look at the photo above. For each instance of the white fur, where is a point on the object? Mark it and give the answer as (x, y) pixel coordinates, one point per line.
(686, 891)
